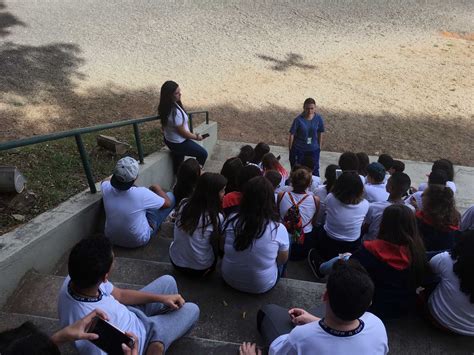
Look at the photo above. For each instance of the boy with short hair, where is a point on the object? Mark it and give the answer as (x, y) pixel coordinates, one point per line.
(345, 328)
(375, 190)
(156, 314)
(397, 185)
(397, 167)
(132, 214)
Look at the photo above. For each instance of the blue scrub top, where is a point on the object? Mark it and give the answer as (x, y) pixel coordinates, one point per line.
(306, 132)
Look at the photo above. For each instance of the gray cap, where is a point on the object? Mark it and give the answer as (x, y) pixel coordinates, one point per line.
(125, 173)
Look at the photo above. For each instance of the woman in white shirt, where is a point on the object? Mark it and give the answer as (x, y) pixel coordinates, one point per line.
(345, 212)
(255, 244)
(174, 120)
(197, 227)
(451, 305)
(308, 207)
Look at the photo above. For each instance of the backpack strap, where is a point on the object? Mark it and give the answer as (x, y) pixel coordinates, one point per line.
(299, 202)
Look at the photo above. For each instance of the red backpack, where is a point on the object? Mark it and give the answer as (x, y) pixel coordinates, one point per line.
(293, 222)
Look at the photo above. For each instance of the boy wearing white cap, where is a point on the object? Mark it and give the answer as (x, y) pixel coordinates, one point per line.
(132, 214)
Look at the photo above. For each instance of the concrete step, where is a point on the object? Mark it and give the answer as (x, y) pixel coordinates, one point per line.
(186, 345)
(226, 314)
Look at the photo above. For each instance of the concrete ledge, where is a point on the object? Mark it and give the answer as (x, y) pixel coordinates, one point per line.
(40, 243)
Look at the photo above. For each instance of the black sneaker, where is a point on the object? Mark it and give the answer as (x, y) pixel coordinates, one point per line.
(314, 261)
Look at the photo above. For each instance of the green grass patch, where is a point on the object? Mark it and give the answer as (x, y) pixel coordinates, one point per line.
(54, 169)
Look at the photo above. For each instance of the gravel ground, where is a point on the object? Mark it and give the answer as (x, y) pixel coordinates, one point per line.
(392, 77)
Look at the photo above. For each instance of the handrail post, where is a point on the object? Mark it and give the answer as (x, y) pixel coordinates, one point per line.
(191, 122)
(85, 163)
(207, 117)
(139, 142)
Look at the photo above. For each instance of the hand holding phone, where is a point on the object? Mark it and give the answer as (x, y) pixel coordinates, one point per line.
(205, 135)
(110, 337)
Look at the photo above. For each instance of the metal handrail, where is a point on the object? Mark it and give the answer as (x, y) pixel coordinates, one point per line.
(76, 133)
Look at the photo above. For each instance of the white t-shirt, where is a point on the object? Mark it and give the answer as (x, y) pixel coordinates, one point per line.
(417, 196)
(375, 193)
(467, 220)
(176, 118)
(449, 184)
(71, 309)
(193, 251)
(254, 269)
(316, 338)
(315, 182)
(307, 208)
(322, 193)
(374, 217)
(125, 211)
(448, 304)
(344, 222)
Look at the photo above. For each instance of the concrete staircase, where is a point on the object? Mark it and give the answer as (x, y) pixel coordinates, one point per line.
(228, 317)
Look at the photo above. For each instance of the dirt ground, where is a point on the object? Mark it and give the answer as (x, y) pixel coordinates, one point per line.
(386, 79)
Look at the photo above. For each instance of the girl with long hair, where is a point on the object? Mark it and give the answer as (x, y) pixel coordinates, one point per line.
(174, 120)
(231, 170)
(439, 219)
(255, 244)
(197, 228)
(396, 262)
(186, 179)
(270, 162)
(451, 304)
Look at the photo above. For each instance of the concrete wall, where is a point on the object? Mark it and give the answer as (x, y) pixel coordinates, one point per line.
(40, 243)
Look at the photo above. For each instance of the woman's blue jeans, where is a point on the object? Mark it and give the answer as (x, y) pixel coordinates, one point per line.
(186, 148)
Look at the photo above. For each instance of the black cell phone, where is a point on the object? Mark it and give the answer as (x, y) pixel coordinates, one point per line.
(205, 135)
(110, 337)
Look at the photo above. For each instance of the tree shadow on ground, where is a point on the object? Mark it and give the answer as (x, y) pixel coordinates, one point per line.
(7, 20)
(292, 60)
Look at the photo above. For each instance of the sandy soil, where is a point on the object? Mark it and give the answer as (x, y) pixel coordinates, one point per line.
(387, 79)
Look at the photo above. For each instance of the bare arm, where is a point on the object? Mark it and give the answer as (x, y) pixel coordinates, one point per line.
(186, 134)
(130, 297)
(282, 257)
(290, 141)
(159, 191)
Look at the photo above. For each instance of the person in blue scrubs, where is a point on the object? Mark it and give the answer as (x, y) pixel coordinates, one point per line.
(306, 135)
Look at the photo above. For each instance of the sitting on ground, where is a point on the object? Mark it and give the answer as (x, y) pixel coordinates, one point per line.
(374, 189)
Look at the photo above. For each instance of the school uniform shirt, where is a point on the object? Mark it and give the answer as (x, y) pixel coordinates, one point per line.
(344, 222)
(176, 118)
(322, 193)
(417, 196)
(315, 182)
(448, 304)
(254, 269)
(375, 192)
(71, 308)
(317, 338)
(449, 184)
(193, 251)
(126, 224)
(467, 220)
(307, 208)
(374, 217)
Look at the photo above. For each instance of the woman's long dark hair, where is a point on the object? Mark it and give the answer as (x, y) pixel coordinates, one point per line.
(231, 170)
(167, 103)
(204, 203)
(439, 205)
(398, 226)
(186, 179)
(348, 188)
(330, 176)
(463, 256)
(257, 210)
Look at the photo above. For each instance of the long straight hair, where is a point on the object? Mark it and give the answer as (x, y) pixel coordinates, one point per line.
(257, 210)
(203, 204)
(398, 226)
(186, 179)
(167, 103)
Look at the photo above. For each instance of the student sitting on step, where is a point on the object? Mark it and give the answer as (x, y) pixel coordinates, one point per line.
(451, 304)
(397, 167)
(275, 178)
(323, 190)
(375, 188)
(156, 314)
(246, 154)
(436, 177)
(364, 162)
(194, 250)
(447, 166)
(309, 163)
(231, 171)
(343, 327)
(231, 200)
(255, 244)
(132, 214)
(349, 162)
(387, 162)
(438, 221)
(307, 206)
(270, 162)
(397, 185)
(395, 261)
(186, 179)
(260, 150)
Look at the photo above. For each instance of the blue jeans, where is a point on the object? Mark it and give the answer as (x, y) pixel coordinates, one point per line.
(297, 155)
(156, 216)
(161, 323)
(325, 268)
(186, 148)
